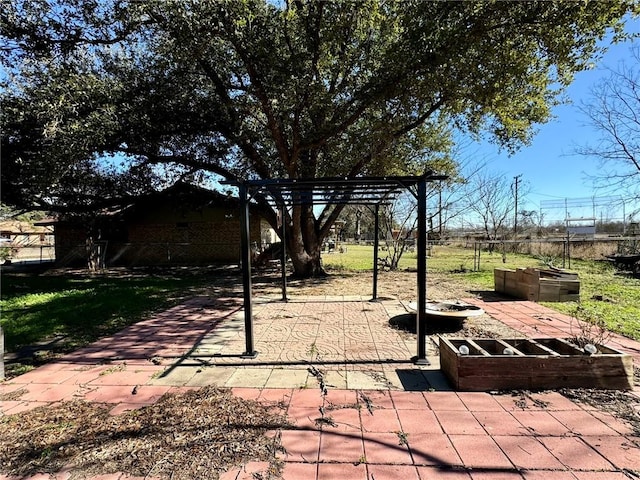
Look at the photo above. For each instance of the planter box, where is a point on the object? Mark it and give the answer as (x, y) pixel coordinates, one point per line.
(537, 364)
(538, 285)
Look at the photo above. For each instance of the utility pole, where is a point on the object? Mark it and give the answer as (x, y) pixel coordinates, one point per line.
(516, 179)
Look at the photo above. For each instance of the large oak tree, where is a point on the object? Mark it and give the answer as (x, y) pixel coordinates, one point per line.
(103, 92)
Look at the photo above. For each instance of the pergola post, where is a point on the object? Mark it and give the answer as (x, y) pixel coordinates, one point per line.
(421, 315)
(375, 252)
(245, 259)
(283, 254)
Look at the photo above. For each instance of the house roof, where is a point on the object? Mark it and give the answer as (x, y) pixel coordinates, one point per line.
(20, 227)
(184, 195)
(180, 194)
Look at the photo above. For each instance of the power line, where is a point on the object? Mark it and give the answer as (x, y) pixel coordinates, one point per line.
(581, 202)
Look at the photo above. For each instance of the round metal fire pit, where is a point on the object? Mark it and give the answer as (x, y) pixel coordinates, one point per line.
(442, 317)
(448, 310)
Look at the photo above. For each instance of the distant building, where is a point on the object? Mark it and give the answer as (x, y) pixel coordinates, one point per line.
(27, 241)
(581, 228)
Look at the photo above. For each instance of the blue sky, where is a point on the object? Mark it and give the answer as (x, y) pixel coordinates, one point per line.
(550, 165)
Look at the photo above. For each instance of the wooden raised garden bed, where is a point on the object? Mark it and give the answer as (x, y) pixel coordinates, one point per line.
(538, 285)
(543, 363)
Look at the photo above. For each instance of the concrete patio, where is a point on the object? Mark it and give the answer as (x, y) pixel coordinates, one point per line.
(388, 418)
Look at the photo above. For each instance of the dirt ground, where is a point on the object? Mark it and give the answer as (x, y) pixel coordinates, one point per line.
(401, 285)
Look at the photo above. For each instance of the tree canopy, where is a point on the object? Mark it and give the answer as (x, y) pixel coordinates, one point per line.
(104, 99)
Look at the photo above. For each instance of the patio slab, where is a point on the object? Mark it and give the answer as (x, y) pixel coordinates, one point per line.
(384, 417)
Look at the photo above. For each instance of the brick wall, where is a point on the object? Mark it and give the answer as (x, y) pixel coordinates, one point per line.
(212, 237)
(70, 245)
(182, 243)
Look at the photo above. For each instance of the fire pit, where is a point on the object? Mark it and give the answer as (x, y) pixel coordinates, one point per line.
(448, 310)
(444, 316)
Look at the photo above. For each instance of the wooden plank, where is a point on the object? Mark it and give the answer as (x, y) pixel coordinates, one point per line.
(510, 346)
(479, 348)
(571, 348)
(537, 285)
(490, 345)
(548, 350)
(550, 367)
(571, 285)
(533, 273)
(449, 362)
(549, 297)
(569, 290)
(500, 272)
(552, 372)
(498, 279)
(558, 273)
(510, 283)
(560, 346)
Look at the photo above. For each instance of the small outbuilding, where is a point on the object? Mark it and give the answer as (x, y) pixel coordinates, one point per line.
(181, 225)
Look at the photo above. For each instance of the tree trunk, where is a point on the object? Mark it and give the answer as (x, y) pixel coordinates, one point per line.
(304, 243)
(92, 247)
(93, 254)
(1, 353)
(305, 264)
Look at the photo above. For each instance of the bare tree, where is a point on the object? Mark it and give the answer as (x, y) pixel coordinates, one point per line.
(491, 200)
(530, 222)
(399, 222)
(613, 109)
(448, 200)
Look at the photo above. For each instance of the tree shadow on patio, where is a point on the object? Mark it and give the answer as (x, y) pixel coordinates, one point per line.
(418, 380)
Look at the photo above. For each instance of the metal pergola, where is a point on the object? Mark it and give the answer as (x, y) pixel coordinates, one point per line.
(371, 191)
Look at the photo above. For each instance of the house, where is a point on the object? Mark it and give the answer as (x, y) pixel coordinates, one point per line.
(26, 241)
(182, 225)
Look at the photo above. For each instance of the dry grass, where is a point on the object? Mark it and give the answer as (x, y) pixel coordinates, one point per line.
(196, 434)
(398, 284)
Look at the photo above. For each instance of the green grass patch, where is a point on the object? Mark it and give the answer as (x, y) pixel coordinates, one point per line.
(610, 297)
(81, 308)
(359, 258)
